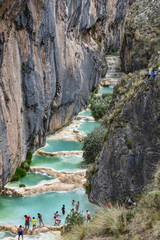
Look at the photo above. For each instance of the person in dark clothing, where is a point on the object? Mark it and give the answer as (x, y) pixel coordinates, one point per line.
(153, 75)
(63, 210)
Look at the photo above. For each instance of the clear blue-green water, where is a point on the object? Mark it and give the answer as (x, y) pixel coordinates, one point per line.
(4, 234)
(105, 90)
(65, 163)
(85, 113)
(54, 145)
(12, 210)
(88, 126)
(31, 179)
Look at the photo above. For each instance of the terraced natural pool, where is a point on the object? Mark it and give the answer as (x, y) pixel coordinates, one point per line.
(31, 179)
(62, 163)
(103, 90)
(56, 145)
(12, 210)
(88, 126)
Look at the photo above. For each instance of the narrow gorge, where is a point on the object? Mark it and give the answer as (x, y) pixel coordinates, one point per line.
(80, 117)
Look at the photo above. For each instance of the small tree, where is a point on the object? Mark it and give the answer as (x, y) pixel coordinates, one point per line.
(99, 105)
(93, 144)
(73, 219)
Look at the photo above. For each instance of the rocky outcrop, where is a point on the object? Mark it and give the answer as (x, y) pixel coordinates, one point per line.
(65, 181)
(13, 229)
(141, 36)
(132, 148)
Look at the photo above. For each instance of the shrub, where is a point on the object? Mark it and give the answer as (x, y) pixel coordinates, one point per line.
(71, 220)
(28, 161)
(22, 185)
(29, 155)
(15, 178)
(93, 144)
(21, 172)
(99, 105)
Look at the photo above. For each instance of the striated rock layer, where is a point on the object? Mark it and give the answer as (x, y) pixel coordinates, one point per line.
(50, 62)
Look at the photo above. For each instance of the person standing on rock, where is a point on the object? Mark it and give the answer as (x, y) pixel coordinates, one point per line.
(77, 206)
(20, 232)
(34, 223)
(27, 220)
(40, 219)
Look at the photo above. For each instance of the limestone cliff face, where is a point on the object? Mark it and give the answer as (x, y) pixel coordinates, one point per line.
(132, 147)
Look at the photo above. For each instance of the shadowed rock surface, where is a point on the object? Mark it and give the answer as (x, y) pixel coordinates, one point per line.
(132, 148)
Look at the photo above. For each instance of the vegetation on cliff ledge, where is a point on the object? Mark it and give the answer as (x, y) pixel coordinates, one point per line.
(22, 170)
(100, 104)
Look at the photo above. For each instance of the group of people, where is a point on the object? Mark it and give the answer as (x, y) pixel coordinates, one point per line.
(56, 218)
(27, 224)
(151, 75)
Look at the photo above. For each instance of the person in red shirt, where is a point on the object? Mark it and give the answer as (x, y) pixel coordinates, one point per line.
(109, 204)
(27, 220)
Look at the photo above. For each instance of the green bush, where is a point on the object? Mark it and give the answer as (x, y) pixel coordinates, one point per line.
(22, 185)
(20, 172)
(29, 155)
(95, 91)
(15, 178)
(72, 220)
(93, 144)
(28, 161)
(100, 104)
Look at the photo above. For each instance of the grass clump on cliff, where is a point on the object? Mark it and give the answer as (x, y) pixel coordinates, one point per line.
(22, 170)
(99, 105)
(93, 144)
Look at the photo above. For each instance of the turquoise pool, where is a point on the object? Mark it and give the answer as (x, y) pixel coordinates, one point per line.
(13, 209)
(54, 145)
(4, 234)
(31, 179)
(63, 163)
(88, 126)
(85, 113)
(105, 90)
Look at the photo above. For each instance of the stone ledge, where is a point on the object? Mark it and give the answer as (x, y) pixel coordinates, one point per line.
(13, 229)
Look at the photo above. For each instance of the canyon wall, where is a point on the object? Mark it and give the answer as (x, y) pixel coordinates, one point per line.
(51, 59)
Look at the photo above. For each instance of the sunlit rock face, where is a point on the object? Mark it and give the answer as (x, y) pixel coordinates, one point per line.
(50, 61)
